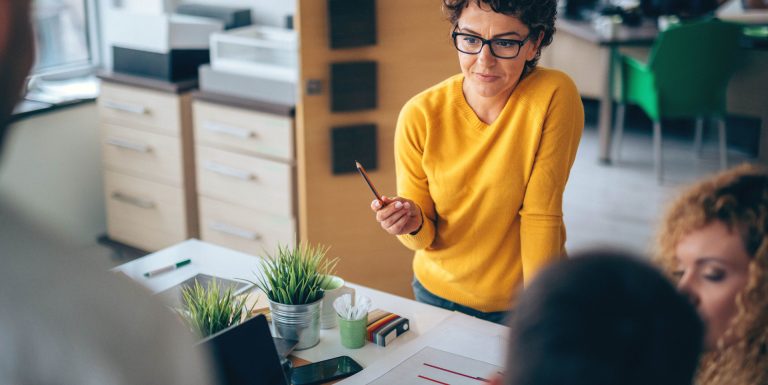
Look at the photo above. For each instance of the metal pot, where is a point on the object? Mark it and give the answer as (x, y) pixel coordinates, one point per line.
(297, 322)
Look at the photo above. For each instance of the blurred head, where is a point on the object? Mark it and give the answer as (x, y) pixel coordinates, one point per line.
(603, 318)
(16, 55)
(520, 28)
(714, 242)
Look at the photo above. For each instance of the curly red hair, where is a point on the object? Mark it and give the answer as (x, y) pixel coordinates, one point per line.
(739, 199)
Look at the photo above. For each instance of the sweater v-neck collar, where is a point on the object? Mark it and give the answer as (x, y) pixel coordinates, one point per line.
(469, 114)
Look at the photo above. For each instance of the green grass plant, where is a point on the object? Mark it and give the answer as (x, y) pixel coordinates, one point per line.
(211, 309)
(295, 275)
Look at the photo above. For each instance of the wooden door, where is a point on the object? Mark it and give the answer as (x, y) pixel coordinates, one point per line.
(413, 52)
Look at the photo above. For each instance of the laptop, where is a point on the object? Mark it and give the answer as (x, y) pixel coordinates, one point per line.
(173, 297)
(246, 354)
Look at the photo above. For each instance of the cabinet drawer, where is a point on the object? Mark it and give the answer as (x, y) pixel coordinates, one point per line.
(141, 153)
(139, 107)
(250, 231)
(243, 180)
(144, 214)
(244, 131)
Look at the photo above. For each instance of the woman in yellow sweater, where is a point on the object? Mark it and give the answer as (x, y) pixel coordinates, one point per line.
(482, 160)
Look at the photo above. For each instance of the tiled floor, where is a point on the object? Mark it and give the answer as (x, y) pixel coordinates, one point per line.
(620, 205)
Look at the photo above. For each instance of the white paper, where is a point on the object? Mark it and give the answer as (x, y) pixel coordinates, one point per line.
(439, 366)
(471, 339)
(82, 88)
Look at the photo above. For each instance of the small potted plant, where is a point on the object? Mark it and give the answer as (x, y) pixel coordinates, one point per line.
(293, 281)
(208, 310)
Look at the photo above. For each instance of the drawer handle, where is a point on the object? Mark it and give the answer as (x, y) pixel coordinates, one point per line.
(128, 145)
(235, 231)
(228, 171)
(237, 132)
(131, 200)
(125, 107)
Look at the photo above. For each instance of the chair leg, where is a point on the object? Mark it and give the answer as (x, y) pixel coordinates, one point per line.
(620, 111)
(658, 159)
(723, 143)
(697, 136)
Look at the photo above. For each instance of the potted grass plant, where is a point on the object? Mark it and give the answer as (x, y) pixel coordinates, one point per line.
(208, 310)
(293, 281)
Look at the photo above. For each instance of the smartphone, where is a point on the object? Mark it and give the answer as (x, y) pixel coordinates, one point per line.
(324, 371)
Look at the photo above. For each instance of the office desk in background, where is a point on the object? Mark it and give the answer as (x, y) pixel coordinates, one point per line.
(587, 57)
(748, 88)
(225, 263)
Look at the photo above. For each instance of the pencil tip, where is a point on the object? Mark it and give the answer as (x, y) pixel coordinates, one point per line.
(358, 165)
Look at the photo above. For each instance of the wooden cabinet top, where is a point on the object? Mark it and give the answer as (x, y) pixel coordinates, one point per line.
(250, 104)
(154, 84)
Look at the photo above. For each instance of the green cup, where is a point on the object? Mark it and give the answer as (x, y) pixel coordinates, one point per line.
(353, 332)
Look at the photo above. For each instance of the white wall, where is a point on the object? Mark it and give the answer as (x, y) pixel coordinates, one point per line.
(51, 170)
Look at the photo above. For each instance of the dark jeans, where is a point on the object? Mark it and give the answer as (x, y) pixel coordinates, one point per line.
(424, 296)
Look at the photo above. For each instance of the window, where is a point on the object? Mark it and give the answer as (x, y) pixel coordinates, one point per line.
(64, 37)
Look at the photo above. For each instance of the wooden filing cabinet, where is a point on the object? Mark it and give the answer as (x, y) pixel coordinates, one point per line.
(246, 183)
(147, 152)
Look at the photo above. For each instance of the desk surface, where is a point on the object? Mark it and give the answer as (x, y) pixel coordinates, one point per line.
(644, 34)
(218, 261)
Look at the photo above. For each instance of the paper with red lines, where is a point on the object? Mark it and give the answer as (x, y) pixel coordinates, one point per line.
(432, 366)
(462, 344)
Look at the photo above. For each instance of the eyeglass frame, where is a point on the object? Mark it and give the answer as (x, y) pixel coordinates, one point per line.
(520, 44)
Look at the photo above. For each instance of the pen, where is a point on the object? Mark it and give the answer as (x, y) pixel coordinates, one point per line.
(168, 268)
(361, 169)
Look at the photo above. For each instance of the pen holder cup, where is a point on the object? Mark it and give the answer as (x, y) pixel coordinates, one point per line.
(353, 332)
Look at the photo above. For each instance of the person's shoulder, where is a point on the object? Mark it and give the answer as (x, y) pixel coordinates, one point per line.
(552, 80)
(70, 297)
(435, 96)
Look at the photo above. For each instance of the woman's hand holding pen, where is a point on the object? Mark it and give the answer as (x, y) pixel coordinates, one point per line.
(397, 215)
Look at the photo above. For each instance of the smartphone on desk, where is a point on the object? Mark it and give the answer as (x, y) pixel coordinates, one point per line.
(324, 371)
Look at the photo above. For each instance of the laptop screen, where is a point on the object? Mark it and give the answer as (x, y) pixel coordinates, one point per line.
(246, 354)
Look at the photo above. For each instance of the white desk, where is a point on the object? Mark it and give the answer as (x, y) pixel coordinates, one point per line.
(225, 263)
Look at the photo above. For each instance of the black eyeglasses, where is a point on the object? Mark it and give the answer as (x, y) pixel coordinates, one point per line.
(500, 48)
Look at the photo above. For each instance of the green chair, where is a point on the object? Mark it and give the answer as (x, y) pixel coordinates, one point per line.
(687, 75)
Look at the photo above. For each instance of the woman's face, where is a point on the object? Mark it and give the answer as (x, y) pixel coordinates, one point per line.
(713, 267)
(486, 75)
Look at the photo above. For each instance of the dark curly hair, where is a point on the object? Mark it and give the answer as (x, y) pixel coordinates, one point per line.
(603, 317)
(538, 15)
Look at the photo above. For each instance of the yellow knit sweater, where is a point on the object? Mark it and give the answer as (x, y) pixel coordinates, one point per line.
(491, 195)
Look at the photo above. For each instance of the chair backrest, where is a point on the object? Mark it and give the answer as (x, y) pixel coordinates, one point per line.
(692, 64)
